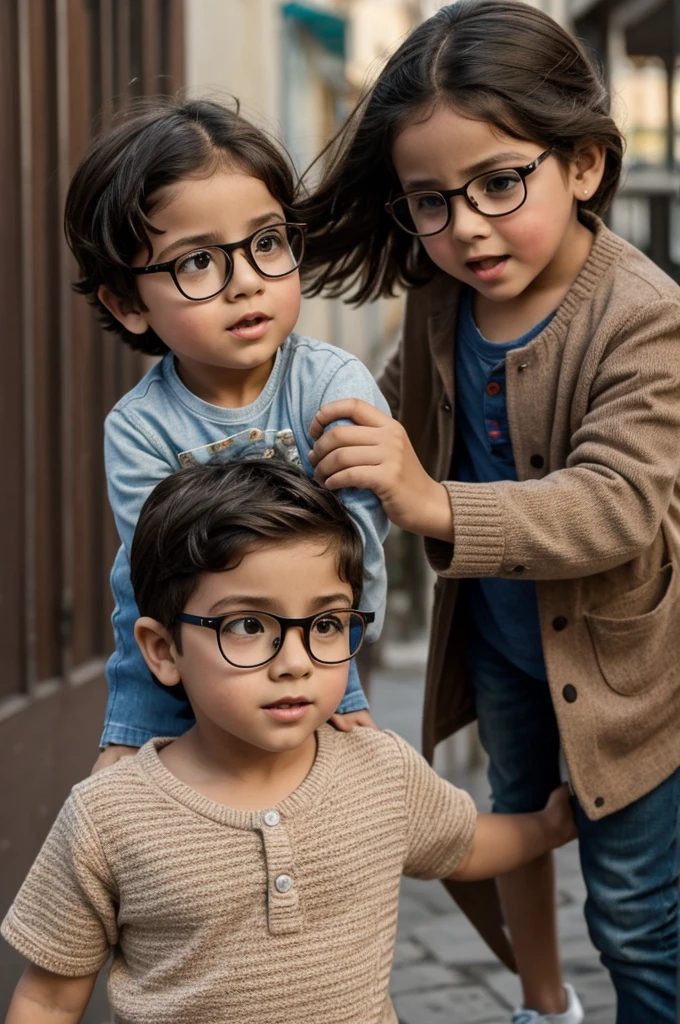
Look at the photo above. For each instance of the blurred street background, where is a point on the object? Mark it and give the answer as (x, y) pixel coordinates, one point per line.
(298, 68)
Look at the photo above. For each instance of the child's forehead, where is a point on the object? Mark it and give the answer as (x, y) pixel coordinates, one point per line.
(231, 193)
(302, 571)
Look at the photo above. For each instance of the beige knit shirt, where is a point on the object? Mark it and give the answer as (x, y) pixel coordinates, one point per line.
(281, 916)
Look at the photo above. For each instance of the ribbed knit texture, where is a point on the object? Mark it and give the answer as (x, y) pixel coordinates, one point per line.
(185, 890)
(594, 518)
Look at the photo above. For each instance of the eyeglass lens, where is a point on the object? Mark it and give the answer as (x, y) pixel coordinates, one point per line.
(275, 251)
(493, 194)
(251, 639)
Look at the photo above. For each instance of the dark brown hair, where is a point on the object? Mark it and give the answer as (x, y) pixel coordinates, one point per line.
(153, 144)
(206, 518)
(500, 61)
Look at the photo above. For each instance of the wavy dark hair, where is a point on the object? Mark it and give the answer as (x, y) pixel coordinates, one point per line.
(153, 144)
(206, 518)
(500, 61)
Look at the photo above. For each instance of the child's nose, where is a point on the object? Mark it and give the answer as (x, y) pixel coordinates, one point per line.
(293, 659)
(467, 223)
(245, 280)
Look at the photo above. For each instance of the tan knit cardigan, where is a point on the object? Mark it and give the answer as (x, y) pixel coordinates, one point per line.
(594, 412)
(219, 916)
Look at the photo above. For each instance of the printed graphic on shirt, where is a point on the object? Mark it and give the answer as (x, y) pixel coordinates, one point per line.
(247, 444)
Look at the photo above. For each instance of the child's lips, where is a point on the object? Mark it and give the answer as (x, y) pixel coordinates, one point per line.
(489, 268)
(250, 328)
(288, 710)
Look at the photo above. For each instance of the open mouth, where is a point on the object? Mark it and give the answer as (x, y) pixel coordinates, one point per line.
(489, 268)
(250, 328)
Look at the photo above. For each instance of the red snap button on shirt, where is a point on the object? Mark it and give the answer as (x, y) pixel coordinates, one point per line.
(493, 388)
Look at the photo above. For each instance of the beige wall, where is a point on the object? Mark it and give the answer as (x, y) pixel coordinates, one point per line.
(236, 47)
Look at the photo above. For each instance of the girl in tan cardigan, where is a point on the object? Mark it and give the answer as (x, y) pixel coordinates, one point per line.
(474, 172)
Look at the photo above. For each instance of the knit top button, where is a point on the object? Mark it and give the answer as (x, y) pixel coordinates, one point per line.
(559, 623)
(599, 801)
(271, 818)
(537, 461)
(493, 388)
(446, 406)
(569, 693)
(518, 569)
(284, 883)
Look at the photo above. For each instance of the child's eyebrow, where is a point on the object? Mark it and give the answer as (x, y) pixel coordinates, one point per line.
(489, 163)
(212, 238)
(256, 602)
(189, 242)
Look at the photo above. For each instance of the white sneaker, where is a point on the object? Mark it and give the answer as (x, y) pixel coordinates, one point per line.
(572, 1015)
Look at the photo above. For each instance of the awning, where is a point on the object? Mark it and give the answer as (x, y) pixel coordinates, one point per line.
(328, 29)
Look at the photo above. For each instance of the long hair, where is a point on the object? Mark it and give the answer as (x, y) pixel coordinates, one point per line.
(500, 61)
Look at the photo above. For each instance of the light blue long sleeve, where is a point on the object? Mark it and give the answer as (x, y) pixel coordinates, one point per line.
(158, 427)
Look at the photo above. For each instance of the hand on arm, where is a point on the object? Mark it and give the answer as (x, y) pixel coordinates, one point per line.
(42, 997)
(111, 754)
(345, 723)
(374, 452)
(503, 842)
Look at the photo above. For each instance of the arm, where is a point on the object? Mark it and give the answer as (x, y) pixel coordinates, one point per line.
(42, 997)
(352, 378)
(601, 510)
(137, 707)
(503, 842)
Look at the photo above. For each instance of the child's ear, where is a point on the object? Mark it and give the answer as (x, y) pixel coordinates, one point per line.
(587, 170)
(158, 649)
(132, 320)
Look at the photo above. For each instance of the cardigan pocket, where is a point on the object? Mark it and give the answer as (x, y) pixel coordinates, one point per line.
(631, 634)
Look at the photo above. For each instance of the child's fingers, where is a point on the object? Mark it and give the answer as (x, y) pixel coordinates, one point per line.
(343, 436)
(362, 413)
(353, 467)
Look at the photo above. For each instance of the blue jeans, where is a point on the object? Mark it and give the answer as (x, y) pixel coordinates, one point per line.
(629, 859)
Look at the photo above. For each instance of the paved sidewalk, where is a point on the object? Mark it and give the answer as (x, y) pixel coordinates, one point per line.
(443, 973)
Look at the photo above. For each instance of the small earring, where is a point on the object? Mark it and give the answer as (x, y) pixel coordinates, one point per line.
(585, 191)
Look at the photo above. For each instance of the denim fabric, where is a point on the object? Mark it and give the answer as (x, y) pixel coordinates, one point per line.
(629, 858)
(159, 426)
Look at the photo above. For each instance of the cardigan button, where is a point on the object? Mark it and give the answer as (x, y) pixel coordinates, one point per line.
(522, 367)
(518, 569)
(569, 693)
(446, 406)
(537, 461)
(559, 623)
(284, 883)
(271, 818)
(599, 801)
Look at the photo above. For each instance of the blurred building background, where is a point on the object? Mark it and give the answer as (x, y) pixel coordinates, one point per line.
(298, 68)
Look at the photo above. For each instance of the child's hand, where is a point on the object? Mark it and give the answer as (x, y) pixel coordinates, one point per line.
(559, 816)
(111, 754)
(374, 452)
(345, 723)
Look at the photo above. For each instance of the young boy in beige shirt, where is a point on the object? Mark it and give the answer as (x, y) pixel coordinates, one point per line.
(249, 869)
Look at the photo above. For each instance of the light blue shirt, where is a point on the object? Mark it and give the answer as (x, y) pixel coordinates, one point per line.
(159, 426)
(505, 612)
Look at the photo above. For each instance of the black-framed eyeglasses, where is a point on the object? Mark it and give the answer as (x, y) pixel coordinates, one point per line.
(272, 251)
(249, 639)
(493, 194)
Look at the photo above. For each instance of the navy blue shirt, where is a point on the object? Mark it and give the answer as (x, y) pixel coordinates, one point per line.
(505, 612)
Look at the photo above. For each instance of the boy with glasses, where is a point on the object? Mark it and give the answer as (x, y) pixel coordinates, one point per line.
(249, 870)
(180, 220)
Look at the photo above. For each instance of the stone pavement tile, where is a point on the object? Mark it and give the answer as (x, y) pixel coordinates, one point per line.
(430, 894)
(412, 913)
(407, 952)
(467, 1004)
(594, 987)
(417, 977)
(452, 940)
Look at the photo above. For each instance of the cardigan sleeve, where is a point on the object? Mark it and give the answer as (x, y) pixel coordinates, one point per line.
(606, 506)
